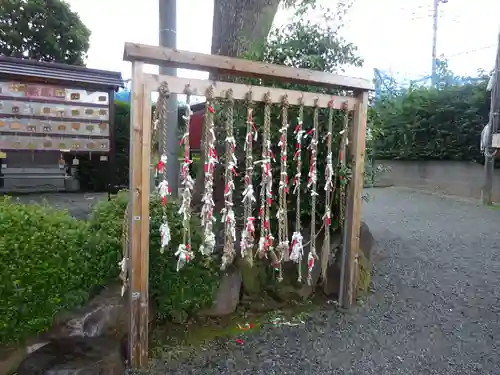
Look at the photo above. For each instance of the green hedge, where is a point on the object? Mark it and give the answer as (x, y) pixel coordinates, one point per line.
(431, 124)
(176, 295)
(46, 266)
(51, 262)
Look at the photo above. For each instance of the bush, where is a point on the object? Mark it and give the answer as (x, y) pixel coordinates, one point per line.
(431, 124)
(45, 267)
(176, 295)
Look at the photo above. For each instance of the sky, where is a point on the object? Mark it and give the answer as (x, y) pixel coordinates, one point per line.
(390, 36)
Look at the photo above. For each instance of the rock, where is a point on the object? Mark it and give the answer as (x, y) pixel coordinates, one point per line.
(366, 241)
(332, 284)
(12, 356)
(105, 314)
(228, 295)
(75, 356)
(253, 276)
(307, 290)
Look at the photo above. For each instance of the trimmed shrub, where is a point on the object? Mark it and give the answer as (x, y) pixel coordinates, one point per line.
(430, 124)
(45, 267)
(176, 295)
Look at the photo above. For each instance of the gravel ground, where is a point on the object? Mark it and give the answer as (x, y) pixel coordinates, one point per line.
(79, 205)
(435, 308)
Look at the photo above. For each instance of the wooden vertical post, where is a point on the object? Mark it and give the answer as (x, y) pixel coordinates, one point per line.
(140, 154)
(354, 201)
(489, 157)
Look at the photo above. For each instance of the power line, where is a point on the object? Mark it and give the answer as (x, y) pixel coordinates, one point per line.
(474, 50)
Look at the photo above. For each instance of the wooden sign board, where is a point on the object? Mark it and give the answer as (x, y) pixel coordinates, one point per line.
(46, 117)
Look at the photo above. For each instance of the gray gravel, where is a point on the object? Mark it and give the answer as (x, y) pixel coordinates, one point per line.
(435, 309)
(79, 205)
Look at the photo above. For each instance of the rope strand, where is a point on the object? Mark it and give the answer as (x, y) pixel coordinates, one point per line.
(207, 216)
(329, 178)
(228, 217)
(184, 252)
(265, 248)
(248, 234)
(312, 182)
(297, 248)
(283, 243)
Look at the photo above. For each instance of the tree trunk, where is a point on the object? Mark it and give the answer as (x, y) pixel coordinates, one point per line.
(240, 23)
(237, 26)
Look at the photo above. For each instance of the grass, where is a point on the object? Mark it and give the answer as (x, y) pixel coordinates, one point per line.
(173, 341)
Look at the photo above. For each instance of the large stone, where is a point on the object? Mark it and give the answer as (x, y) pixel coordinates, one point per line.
(75, 356)
(228, 295)
(307, 289)
(366, 241)
(332, 284)
(105, 314)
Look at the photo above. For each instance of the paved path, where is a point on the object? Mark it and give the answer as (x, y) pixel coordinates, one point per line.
(435, 309)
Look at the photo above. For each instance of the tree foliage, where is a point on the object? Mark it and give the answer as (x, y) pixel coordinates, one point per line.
(44, 30)
(428, 123)
(301, 43)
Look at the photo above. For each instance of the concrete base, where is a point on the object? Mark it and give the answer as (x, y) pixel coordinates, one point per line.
(43, 179)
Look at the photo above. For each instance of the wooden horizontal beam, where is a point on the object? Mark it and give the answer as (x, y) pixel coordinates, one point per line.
(199, 87)
(238, 67)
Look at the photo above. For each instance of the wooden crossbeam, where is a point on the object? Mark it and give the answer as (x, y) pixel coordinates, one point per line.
(233, 66)
(199, 87)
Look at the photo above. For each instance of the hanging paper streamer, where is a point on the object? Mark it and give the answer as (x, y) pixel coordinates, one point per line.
(123, 264)
(283, 243)
(184, 251)
(248, 233)
(329, 192)
(207, 211)
(161, 168)
(311, 184)
(265, 247)
(296, 247)
(227, 212)
(184, 255)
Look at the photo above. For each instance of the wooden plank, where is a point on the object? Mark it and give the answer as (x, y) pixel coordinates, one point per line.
(233, 66)
(354, 200)
(199, 87)
(144, 196)
(135, 212)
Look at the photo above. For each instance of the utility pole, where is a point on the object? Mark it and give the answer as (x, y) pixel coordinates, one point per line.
(489, 155)
(435, 17)
(167, 11)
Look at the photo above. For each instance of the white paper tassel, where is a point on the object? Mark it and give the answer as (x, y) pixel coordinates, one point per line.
(310, 266)
(184, 256)
(163, 189)
(247, 237)
(164, 235)
(297, 252)
(123, 274)
(208, 245)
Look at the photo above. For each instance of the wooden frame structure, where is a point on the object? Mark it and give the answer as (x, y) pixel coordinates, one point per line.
(142, 86)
